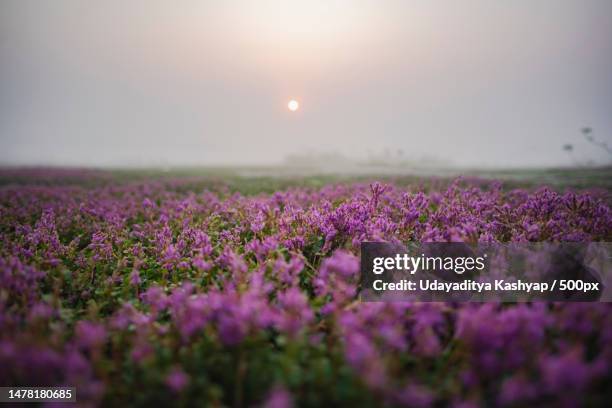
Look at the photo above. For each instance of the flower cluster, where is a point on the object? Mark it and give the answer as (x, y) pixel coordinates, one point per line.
(176, 291)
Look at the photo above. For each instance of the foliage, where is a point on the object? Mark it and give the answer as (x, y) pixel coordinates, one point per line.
(180, 291)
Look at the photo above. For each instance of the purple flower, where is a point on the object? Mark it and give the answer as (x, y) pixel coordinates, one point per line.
(89, 334)
(270, 282)
(231, 330)
(295, 313)
(415, 396)
(177, 380)
(279, 397)
(135, 278)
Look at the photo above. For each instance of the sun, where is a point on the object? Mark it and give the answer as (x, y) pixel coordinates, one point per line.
(293, 105)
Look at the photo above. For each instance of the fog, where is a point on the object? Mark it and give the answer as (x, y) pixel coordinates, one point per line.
(148, 83)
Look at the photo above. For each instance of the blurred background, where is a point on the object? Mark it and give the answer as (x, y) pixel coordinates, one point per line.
(381, 84)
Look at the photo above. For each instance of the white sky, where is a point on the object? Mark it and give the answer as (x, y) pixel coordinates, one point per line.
(192, 82)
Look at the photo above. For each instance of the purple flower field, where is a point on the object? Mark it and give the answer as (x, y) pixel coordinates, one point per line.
(189, 292)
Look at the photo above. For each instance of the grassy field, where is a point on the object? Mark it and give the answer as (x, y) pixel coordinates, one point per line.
(143, 287)
(253, 180)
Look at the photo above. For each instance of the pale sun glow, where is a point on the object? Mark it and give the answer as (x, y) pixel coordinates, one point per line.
(293, 105)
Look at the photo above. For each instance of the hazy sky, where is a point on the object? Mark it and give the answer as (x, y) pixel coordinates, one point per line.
(206, 82)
